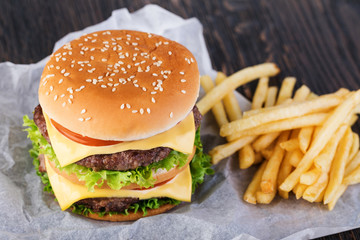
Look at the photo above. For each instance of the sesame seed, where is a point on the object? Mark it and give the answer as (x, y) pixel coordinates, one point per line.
(57, 67)
(139, 69)
(191, 59)
(136, 85)
(137, 64)
(129, 66)
(92, 57)
(183, 80)
(153, 100)
(69, 100)
(181, 73)
(82, 52)
(134, 111)
(171, 115)
(170, 52)
(47, 93)
(83, 111)
(87, 119)
(70, 90)
(104, 59)
(63, 71)
(103, 86)
(88, 80)
(166, 43)
(62, 95)
(55, 97)
(71, 97)
(63, 104)
(122, 106)
(154, 74)
(60, 81)
(128, 105)
(144, 89)
(113, 90)
(81, 119)
(183, 91)
(141, 111)
(64, 59)
(153, 92)
(51, 88)
(148, 110)
(80, 69)
(66, 74)
(143, 61)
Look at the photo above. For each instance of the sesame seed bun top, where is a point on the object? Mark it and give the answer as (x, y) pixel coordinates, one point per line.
(119, 85)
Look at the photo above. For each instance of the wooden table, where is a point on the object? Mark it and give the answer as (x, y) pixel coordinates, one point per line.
(316, 41)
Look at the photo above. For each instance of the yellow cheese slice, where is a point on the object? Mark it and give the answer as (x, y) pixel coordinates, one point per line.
(180, 138)
(67, 193)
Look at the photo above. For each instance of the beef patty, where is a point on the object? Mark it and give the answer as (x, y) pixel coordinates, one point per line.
(120, 161)
(107, 204)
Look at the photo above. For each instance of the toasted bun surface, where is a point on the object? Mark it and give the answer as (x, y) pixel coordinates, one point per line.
(132, 216)
(119, 85)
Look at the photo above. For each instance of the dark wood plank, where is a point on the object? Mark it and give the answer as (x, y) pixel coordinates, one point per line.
(316, 41)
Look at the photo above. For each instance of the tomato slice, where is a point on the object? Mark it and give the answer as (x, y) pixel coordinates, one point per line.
(82, 139)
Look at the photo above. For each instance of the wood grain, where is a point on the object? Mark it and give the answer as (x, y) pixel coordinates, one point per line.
(316, 41)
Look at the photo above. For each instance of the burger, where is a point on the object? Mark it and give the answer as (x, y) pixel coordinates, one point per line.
(116, 134)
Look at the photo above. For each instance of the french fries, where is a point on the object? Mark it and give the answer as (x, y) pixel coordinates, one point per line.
(305, 144)
(231, 83)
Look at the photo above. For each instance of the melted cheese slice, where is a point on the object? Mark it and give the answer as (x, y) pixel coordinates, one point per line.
(67, 193)
(180, 138)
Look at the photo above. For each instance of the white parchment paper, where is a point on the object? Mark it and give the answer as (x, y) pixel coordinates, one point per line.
(217, 210)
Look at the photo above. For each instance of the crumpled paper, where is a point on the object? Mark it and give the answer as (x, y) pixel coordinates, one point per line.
(217, 210)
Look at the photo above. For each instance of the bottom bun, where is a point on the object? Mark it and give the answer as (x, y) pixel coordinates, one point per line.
(131, 216)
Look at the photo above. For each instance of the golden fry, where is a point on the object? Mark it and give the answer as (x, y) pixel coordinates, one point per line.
(305, 138)
(260, 93)
(271, 97)
(246, 157)
(286, 89)
(269, 178)
(310, 176)
(338, 166)
(313, 192)
(296, 157)
(250, 193)
(353, 177)
(338, 194)
(231, 104)
(301, 94)
(218, 108)
(223, 151)
(232, 82)
(264, 141)
(355, 146)
(354, 163)
(281, 112)
(299, 190)
(265, 198)
(282, 125)
(290, 145)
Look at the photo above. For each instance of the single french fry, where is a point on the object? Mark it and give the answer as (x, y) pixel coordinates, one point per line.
(355, 146)
(246, 157)
(278, 113)
(354, 163)
(320, 197)
(301, 94)
(312, 96)
(286, 167)
(235, 80)
(313, 192)
(269, 178)
(258, 158)
(290, 145)
(260, 93)
(223, 151)
(265, 198)
(336, 118)
(250, 193)
(310, 176)
(218, 108)
(338, 166)
(271, 97)
(353, 177)
(264, 141)
(299, 190)
(305, 138)
(231, 104)
(282, 125)
(324, 159)
(296, 157)
(353, 120)
(286, 89)
(340, 191)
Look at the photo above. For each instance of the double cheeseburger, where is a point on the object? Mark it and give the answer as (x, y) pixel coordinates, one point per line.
(116, 134)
